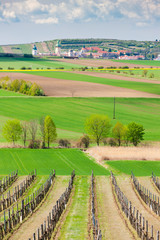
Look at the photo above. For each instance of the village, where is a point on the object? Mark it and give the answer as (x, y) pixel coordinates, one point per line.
(91, 52)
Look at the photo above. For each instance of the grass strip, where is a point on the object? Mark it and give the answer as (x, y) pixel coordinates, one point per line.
(76, 223)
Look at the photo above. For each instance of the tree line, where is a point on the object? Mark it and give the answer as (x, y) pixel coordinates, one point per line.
(98, 129)
(21, 86)
(14, 130)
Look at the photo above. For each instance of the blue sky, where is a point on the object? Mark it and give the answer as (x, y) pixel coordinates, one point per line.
(25, 21)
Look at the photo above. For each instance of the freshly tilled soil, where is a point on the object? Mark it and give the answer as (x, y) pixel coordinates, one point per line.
(69, 88)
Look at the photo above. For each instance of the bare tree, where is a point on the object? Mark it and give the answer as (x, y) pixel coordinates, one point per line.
(24, 126)
(42, 129)
(33, 127)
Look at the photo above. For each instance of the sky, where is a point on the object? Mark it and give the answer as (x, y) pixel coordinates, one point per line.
(26, 21)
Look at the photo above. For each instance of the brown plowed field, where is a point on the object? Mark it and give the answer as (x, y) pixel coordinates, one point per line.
(111, 222)
(117, 77)
(27, 229)
(126, 186)
(102, 62)
(68, 88)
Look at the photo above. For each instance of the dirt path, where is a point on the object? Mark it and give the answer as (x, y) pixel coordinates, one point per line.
(102, 62)
(19, 180)
(127, 188)
(150, 153)
(69, 88)
(34, 222)
(148, 183)
(117, 77)
(110, 220)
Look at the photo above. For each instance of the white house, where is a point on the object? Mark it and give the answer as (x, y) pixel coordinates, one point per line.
(158, 58)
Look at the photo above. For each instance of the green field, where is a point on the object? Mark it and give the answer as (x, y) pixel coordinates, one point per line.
(139, 168)
(140, 62)
(70, 114)
(64, 161)
(34, 63)
(137, 73)
(140, 86)
(6, 93)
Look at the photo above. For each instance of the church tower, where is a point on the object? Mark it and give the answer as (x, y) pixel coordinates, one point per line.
(34, 50)
(58, 48)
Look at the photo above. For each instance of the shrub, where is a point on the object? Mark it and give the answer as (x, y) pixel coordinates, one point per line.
(112, 142)
(35, 90)
(34, 144)
(84, 141)
(24, 88)
(125, 67)
(64, 143)
(15, 85)
(100, 67)
(21, 86)
(151, 75)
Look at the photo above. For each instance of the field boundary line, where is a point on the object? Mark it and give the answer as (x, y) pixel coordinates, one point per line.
(143, 203)
(34, 211)
(63, 70)
(121, 213)
(63, 216)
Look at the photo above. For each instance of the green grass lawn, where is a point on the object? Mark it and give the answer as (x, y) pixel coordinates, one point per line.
(34, 63)
(70, 114)
(6, 93)
(140, 86)
(140, 62)
(64, 161)
(75, 225)
(139, 168)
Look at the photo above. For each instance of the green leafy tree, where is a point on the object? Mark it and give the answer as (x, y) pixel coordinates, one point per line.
(97, 127)
(50, 130)
(125, 135)
(15, 85)
(145, 72)
(35, 90)
(24, 126)
(135, 133)
(12, 130)
(118, 132)
(42, 129)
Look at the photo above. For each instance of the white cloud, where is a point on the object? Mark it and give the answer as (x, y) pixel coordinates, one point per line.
(9, 14)
(46, 20)
(50, 11)
(141, 24)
